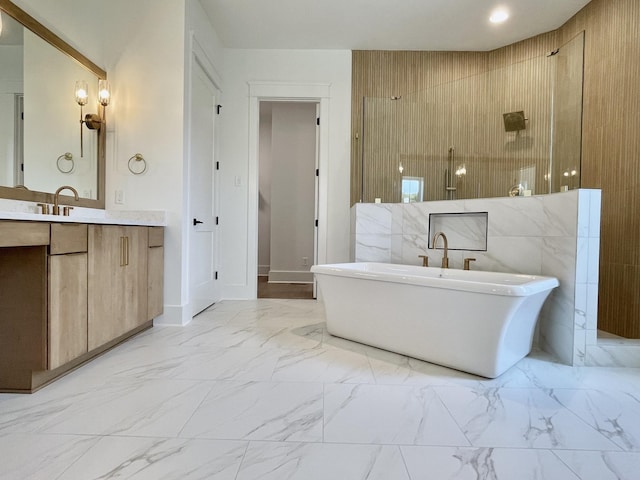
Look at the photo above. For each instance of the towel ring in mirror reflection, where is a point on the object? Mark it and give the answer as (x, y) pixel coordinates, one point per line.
(136, 159)
(66, 156)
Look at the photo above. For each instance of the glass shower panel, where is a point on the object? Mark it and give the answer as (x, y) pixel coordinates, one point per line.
(454, 141)
(567, 115)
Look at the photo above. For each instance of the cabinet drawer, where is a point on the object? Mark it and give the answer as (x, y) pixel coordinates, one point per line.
(68, 238)
(156, 236)
(23, 234)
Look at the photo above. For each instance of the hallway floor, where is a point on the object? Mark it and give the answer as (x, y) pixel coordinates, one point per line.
(260, 390)
(284, 290)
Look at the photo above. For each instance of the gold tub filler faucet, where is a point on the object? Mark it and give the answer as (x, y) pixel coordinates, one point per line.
(445, 257)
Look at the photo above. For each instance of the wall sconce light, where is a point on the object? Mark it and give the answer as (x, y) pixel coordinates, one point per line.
(93, 121)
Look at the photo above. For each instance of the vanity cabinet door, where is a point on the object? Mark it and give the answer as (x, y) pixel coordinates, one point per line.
(67, 330)
(117, 276)
(155, 305)
(67, 322)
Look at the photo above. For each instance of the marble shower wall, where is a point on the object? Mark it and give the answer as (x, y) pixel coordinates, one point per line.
(556, 235)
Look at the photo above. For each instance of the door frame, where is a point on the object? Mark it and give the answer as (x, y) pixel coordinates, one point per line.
(286, 92)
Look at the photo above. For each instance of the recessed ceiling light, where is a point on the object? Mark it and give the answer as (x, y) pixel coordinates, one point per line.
(499, 15)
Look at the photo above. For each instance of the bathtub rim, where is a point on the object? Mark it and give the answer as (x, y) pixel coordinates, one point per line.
(489, 283)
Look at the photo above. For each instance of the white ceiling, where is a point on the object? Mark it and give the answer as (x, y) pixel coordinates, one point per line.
(382, 24)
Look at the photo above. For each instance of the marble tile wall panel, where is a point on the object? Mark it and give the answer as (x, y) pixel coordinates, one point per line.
(606, 352)
(415, 217)
(373, 219)
(373, 248)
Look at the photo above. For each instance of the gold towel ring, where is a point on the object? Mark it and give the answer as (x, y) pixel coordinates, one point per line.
(67, 156)
(138, 158)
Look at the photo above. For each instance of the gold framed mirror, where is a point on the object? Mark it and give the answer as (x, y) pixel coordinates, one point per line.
(40, 126)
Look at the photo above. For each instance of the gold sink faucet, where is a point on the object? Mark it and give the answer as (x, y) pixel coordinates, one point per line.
(56, 199)
(445, 258)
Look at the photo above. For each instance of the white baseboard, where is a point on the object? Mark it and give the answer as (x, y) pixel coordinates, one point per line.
(263, 270)
(176, 315)
(290, 276)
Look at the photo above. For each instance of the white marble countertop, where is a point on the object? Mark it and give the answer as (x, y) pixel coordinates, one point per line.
(89, 215)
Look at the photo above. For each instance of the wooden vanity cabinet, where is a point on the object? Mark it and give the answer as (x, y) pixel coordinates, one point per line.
(117, 281)
(71, 291)
(67, 326)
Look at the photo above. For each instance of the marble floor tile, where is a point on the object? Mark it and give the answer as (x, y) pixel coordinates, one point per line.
(614, 414)
(135, 407)
(543, 371)
(393, 369)
(259, 411)
(263, 311)
(260, 389)
(323, 364)
(239, 335)
(611, 379)
(175, 335)
(318, 461)
(329, 340)
(466, 463)
(602, 465)
(380, 414)
(158, 458)
(191, 363)
(519, 417)
(20, 413)
(40, 457)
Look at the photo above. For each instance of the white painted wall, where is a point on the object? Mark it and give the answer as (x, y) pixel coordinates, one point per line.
(81, 23)
(293, 151)
(146, 116)
(151, 80)
(289, 66)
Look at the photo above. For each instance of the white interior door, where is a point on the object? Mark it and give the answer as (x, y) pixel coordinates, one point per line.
(203, 238)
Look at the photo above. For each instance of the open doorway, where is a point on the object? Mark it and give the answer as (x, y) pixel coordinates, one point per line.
(287, 199)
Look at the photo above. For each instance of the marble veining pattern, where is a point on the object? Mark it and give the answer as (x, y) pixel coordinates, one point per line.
(260, 390)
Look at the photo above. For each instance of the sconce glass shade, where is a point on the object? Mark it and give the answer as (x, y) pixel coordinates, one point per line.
(104, 92)
(81, 92)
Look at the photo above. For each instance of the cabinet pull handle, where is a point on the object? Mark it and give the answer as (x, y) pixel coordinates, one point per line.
(122, 251)
(126, 244)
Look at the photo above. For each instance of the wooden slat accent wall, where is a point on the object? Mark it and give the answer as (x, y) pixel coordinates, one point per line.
(516, 77)
(610, 132)
(611, 151)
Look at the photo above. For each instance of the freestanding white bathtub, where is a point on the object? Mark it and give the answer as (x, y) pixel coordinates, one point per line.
(478, 322)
